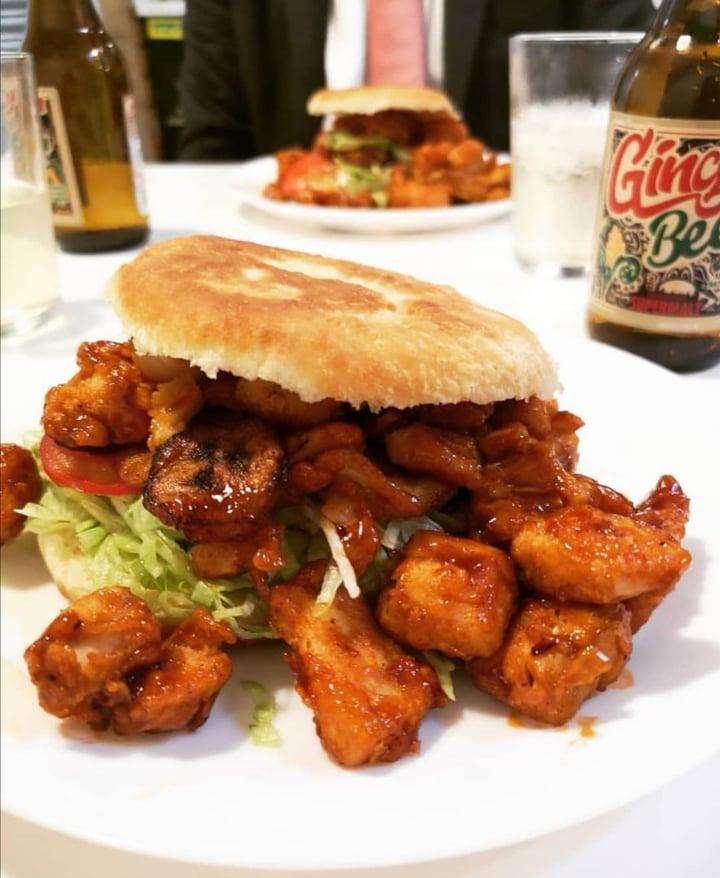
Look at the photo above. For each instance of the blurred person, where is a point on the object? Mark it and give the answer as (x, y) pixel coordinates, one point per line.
(249, 66)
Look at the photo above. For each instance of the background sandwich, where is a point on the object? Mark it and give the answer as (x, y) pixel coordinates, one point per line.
(389, 146)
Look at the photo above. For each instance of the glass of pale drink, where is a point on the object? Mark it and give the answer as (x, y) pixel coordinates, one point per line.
(560, 88)
(28, 251)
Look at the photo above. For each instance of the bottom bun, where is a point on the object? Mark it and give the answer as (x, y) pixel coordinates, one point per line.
(66, 563)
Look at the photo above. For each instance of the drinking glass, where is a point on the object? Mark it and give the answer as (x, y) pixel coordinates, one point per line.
(560, 90)
(28, 251)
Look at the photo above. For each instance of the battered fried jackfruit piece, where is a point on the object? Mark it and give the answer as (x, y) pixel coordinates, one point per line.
(446, 454)
(19, 484)
(555, 656)
(450, 594)
(105, 403)
(80, 662)
(368, 697)
(104, 662)
(179, 690)
(585, 554)
(281, 407)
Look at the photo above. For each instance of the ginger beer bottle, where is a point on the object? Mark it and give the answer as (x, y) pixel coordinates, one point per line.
(92, 148)
(656, 283)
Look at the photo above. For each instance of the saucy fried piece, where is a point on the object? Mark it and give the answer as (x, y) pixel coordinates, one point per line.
(216, 480)
(281, 407)
(80, 662)
(429, 492)
(529, 453)
(405, 191)
(177, 394)
(344, 504)
(403, 127)
(19, 484)
(179, 689)
(333, 434)
(261, 551)
(385, 496)
(465, 168)
(666, 507)
(541, 420)
(446, 454)
(466, 417)
(450, 594)
(534, 413)
(367, 696)
(173, 404)
(514, 491)
(475, 176)
(461, 170)
(441, 127)
(555, 656)
(105, 403)
(582, 553)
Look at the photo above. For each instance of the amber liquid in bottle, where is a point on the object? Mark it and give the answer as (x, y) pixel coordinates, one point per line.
(93, 153)
(674, 74)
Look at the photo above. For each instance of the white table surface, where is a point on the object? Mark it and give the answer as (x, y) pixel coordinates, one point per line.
(672, 833)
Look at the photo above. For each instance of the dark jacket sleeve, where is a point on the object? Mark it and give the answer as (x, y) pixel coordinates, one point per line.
(216, 117)
(248, 69)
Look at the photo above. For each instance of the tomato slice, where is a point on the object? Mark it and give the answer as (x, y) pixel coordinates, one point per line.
(93, 472)
(308, 172)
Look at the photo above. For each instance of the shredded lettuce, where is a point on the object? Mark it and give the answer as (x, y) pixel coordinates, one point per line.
(444, 668)
(371, 178)
(116, 541)
(261, 727)
(340, 571)
(342, 141)
(123, 544)
(355, 178)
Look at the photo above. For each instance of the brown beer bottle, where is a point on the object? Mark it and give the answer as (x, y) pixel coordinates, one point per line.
(92, 148)
(656, 282)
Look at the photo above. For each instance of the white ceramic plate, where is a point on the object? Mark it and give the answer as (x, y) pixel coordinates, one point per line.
(479, 782)
(250, 180)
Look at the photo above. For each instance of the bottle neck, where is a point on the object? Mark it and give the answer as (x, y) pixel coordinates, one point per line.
(62, 15)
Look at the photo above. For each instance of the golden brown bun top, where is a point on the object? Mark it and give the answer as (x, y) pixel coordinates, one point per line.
(368, 99)
(323, 327)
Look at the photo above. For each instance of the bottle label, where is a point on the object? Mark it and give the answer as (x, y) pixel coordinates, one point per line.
(135, 152)
(62, 178)
(658, 259)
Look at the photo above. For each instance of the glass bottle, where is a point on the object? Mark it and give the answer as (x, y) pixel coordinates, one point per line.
(92, 147)
(656, 283)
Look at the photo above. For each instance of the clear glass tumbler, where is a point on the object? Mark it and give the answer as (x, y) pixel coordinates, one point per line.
(28, 250)
(560, 88)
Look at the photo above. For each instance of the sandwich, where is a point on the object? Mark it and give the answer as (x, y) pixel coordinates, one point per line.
(389, 146)
(370, 470)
